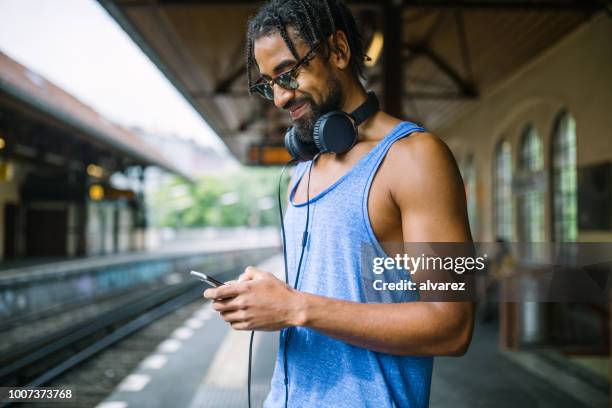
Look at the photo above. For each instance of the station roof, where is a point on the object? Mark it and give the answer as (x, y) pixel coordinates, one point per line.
(451, 52)
(35, 92)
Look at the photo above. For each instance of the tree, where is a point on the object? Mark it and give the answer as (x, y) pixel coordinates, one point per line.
(243, 198)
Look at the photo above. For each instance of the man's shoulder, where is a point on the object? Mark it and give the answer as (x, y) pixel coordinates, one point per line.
(417, 140)
(425, 166)
(419, 149)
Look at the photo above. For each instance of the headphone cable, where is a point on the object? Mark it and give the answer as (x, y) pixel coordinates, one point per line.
(297, 275)
(249, 373)
(280, 208)
(288, 330)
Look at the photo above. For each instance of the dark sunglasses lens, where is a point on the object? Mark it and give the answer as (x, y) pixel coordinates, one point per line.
(287, 81)
(268, 92)
(264, 90)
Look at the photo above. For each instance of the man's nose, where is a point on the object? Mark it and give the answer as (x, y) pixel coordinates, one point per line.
(281, 96)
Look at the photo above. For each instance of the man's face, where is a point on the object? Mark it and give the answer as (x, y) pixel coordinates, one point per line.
(319, 89)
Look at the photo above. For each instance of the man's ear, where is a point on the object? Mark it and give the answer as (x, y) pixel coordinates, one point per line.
(340, 50)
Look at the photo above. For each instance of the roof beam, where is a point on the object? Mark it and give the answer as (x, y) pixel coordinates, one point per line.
(466, 88)
(526, 5)
(392, 70)
(543, 5)
(435, 96)
(224, 85)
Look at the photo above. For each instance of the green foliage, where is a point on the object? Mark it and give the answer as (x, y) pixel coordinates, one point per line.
(247, 197)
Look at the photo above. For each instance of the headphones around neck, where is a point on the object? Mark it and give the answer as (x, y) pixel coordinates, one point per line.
(334, 132)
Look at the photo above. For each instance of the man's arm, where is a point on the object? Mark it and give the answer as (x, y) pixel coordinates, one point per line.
(431, 199)
(429, 193)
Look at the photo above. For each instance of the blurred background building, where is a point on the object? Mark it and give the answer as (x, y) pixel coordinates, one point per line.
(56, 163)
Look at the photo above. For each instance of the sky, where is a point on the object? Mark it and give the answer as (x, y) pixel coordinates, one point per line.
(78, 46)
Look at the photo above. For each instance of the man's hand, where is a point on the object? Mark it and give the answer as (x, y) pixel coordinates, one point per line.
(257, 301)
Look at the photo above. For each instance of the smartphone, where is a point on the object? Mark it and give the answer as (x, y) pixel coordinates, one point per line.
(208, 279)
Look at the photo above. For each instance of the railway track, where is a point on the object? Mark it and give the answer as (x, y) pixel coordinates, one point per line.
(53, 359)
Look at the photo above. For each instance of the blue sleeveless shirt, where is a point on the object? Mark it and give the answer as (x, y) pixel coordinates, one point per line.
(326, 372)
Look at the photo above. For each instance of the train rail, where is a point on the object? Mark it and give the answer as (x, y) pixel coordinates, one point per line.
(42, 360)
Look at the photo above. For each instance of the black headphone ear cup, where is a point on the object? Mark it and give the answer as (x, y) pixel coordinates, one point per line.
(334, 132)
(299, 150)
(290, 144)
(317, 133)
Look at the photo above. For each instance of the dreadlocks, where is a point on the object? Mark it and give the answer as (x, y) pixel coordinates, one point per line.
(313, 20)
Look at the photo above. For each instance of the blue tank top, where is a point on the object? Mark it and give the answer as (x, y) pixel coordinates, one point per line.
(326, 372)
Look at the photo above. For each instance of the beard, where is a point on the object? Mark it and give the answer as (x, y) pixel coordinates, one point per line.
(304, 125)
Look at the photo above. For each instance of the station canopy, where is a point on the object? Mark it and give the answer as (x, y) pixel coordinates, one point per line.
(446, 55)
(25, 91)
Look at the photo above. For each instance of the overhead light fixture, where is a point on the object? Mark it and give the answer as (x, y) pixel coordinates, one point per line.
(95, 171)
(375, 48)
(96, 192)
(2, 143)
(6, 171)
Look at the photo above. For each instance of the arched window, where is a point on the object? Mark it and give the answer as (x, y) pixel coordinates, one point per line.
(469, 180)
(565, 223)
(502, 179)
(531, 207)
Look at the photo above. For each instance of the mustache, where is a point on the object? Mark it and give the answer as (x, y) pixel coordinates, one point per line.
(295, 102)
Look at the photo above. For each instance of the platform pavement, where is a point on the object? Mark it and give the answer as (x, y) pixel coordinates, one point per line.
(488, 377)
(203, 365)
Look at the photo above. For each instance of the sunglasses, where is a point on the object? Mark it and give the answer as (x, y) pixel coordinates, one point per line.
(286, 80)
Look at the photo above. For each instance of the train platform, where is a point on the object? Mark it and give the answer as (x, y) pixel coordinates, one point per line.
(32, 289)
(36, 268)
(203, 364)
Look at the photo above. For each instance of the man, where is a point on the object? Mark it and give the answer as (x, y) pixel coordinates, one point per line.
(398, 183)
